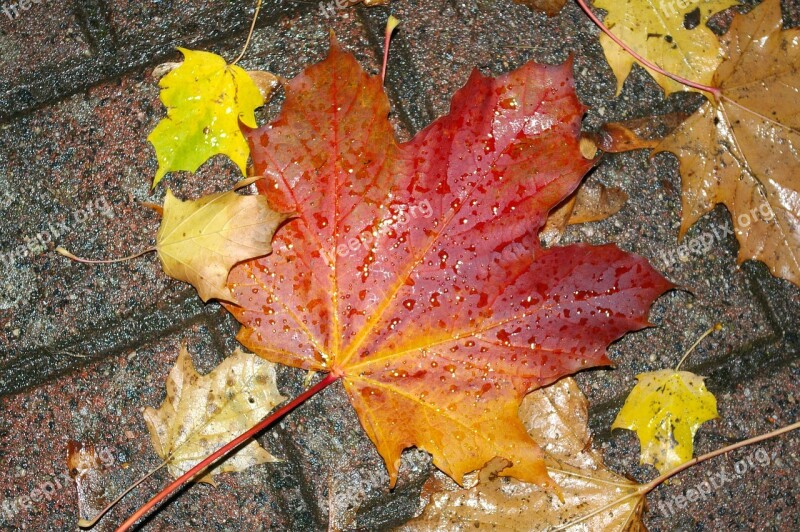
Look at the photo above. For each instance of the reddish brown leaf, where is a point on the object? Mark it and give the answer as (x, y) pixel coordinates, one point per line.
(638, 133)
(414, 271)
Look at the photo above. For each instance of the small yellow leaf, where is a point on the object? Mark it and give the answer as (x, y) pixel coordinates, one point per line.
(205, 100)
(665, 409)
(200, 241)
(204, 412)
(670, 33)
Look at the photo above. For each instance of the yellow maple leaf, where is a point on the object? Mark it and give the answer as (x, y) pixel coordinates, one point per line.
(201, 413)
(665, 409)
(200, 241)
(205, 100)
(657, 30)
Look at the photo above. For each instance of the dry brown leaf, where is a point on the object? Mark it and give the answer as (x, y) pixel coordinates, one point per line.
(742, 150)
(550, 7)
(595, 498)
(200, 241)
(201, 413)
(646, 132)
(592, 202)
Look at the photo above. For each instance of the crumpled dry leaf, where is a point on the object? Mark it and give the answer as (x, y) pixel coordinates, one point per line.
(200, 241)
(592, 202)
(205, 99)
(665, 409)
(743, 150)
(595, 498)
(201, 413)
(657, 31)
(549, 7)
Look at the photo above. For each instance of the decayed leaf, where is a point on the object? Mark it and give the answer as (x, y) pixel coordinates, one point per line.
(414, 271)
(594, 497)
(665, 409)
(205, 100)
(203, 412)
(743, 150)
(640, 133)
(592, 202)
(200, 241)
(86, 468)
(658, 31)
(549, 7)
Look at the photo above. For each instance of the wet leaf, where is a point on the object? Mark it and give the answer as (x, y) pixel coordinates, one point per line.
(665, 409)
(657, 31)
(414, 271)
(199, 241)
(87, 468)
(742, 150)
(594, 497)
(640, 133)
(203, 412)
(205, 100)
(592, 202)
(549, 7)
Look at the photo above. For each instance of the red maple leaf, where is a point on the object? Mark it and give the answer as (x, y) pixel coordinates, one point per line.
(414, 271)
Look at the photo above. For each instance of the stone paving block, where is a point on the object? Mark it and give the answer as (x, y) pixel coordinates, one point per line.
(36, 38)
(92, 145)
(74, 175)
(102, 403)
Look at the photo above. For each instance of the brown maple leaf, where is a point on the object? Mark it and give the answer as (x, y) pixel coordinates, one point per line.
(742, 149)
(413, 271)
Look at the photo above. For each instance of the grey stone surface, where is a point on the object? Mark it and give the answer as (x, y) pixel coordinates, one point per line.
(84, 348)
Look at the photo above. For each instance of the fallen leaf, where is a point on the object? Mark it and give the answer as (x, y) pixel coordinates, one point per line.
(742, 150)
(201, 413)
(657, 31)
(549, 7)
(205, 100)
(87, 469)
(594, 497)
(413, 271)
(199, 241)
(640, 133)
(592, 202)
(665, 409)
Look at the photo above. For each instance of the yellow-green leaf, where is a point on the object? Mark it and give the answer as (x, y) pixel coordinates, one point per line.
(201, 413)
(205, 100)
(659, 30)
(200, 241)
(665, 409)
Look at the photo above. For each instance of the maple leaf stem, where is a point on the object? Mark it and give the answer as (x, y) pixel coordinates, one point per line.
(650, 486)
(88, 523)
(391, 24)
(715, 327)
(70, 256)
(250, 34)
(689, 83)
(228, 448)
